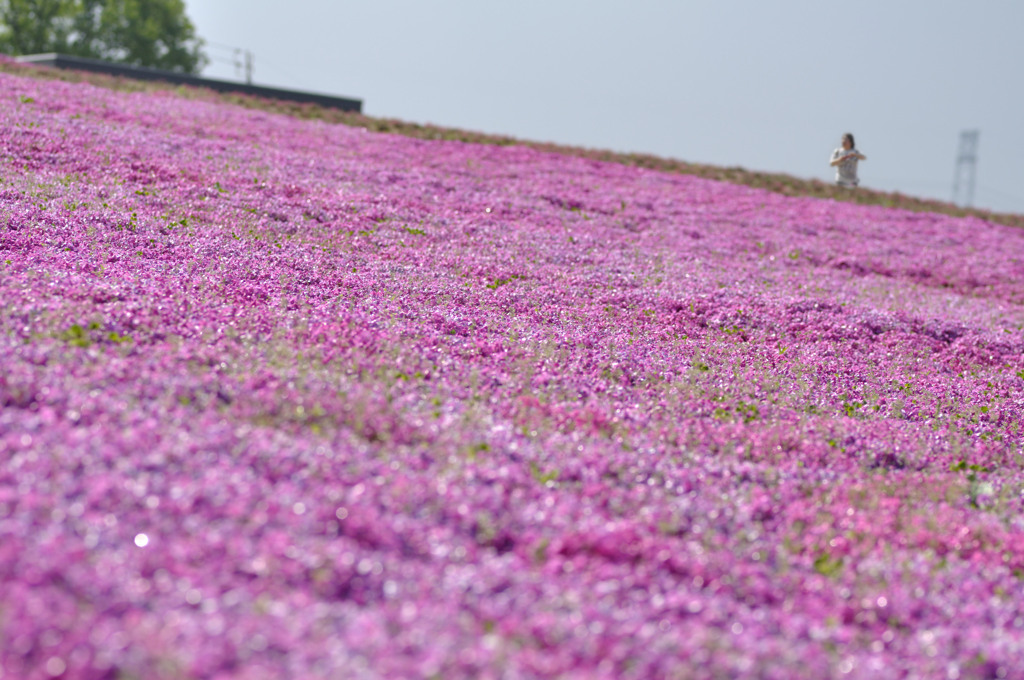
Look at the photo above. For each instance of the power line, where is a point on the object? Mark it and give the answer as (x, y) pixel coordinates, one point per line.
(241, 59)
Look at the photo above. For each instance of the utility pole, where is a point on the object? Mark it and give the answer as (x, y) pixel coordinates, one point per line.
(966, 164)
(240, 58)
(248, 66)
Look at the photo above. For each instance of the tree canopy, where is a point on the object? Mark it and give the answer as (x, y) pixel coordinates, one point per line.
(154, 33)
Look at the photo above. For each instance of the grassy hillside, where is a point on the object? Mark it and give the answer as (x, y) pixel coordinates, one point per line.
(287, 399)
(776, 182)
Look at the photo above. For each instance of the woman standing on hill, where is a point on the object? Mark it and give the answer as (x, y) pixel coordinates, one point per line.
(844, 160)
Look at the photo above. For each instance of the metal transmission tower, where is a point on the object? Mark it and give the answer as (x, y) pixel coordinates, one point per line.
(966, 164)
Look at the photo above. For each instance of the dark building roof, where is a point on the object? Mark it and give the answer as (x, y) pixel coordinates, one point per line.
(65, 61)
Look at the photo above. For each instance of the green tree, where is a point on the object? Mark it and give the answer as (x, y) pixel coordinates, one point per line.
(154, 33)
(35, 26)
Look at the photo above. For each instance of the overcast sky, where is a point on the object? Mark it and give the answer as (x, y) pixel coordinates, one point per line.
(763, 85)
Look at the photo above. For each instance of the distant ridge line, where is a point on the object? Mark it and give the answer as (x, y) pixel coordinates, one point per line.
(66, 61)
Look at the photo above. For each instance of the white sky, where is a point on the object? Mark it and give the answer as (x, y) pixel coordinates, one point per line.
(763, 85)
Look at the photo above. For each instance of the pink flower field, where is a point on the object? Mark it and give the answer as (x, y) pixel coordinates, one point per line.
(283, 399)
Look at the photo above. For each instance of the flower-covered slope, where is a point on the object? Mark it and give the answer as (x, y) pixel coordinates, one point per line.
(286, 399)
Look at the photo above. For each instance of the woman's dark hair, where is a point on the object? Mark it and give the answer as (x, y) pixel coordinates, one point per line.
(849, 135)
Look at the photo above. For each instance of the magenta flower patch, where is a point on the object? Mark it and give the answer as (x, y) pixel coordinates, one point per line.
(281, 399)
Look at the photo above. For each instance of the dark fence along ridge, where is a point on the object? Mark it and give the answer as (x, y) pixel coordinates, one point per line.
(65, 61)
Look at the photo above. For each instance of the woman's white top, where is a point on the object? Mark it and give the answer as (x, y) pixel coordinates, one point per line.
(846, 172)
